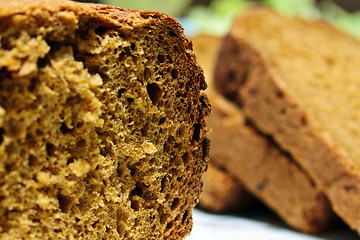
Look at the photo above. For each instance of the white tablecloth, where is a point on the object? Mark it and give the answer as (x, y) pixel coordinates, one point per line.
(257, 226)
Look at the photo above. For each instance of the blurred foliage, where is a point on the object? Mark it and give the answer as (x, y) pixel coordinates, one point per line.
(173, 8)
(217, 17)
(349, 22)
(304, 8)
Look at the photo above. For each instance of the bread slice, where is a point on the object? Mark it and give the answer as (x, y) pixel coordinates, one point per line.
(268, 173)
(102, 130)
(254, 161)
(223, 192)
(298, 81)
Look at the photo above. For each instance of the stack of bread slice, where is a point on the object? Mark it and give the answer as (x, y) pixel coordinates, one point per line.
(294, 84)
(244, 162)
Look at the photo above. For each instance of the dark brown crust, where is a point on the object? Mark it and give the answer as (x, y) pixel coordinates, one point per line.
(259, 90)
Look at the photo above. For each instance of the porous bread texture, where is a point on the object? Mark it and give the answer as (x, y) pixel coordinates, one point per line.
(254, 160)
(102, 130)
(297, 80)
(266, 171)
(223, 193)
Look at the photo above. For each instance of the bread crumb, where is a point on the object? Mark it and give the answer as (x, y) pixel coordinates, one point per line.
(149, 147)
(43, 178)
(79, 167)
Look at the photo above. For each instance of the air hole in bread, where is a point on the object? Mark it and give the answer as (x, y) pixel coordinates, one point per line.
(70, 160)
(50, 149)
(173, 34)
(164, 218)
(101, 30)
(147, 73)
(175, 204)
(135, 204)
(65, 202)
(174, 73)
(162, 120)
(161, 58)
(79, 124)
(196, 135)
(122, 56)
(81, 143)
(185, 216)
(39, 133)
(134, 58)
(169, 225)
(144, 129)
(2, 133)
(12, 148)
(33, 160)
(164, 183)
(206, 147)
(133, 46)
(7, 167)
(105, 151)
(138, 190)
(181, 131)
(154, 92)
(186, 158)
(64, 129)
(14, 127)
(32, 84)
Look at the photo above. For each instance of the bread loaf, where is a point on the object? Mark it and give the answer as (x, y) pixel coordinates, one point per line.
(102, 130)
(298, 81)
(254, 161)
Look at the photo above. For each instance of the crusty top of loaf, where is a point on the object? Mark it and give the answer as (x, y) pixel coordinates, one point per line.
(113, 16)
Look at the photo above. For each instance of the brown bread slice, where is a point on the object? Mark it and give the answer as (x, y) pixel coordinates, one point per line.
(254, 161)
(298, 81)
(266, 172)
(102, 129)
(223, 192)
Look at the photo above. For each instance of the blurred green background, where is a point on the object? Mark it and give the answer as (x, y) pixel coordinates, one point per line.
(215, 16)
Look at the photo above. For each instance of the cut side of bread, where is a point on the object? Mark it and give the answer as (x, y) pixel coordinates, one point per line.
(254, 160)
(298, 81)
(102, 123)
